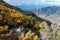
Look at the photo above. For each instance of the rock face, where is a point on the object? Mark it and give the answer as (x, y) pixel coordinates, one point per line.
(51, 13)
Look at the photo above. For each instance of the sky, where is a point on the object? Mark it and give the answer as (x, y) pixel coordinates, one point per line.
(34, 2)
(31, 4)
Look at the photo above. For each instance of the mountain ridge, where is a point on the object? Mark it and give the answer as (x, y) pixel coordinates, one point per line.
(49, 13)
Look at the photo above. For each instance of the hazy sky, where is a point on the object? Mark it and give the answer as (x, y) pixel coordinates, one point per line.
(35, 2)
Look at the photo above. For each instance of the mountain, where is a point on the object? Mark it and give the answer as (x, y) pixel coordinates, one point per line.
(51, 13)
(13, 18)
(55, 18)
(17, 24)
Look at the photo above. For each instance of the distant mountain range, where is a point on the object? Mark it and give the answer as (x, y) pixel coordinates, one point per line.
(51, 13)
(30, 7)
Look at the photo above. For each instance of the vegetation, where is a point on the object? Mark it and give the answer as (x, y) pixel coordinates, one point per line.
(33, 27)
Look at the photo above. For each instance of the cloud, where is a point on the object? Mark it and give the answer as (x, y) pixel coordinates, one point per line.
(36, 2)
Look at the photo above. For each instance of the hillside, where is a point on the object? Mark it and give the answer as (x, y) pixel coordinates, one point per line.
(11, 18)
